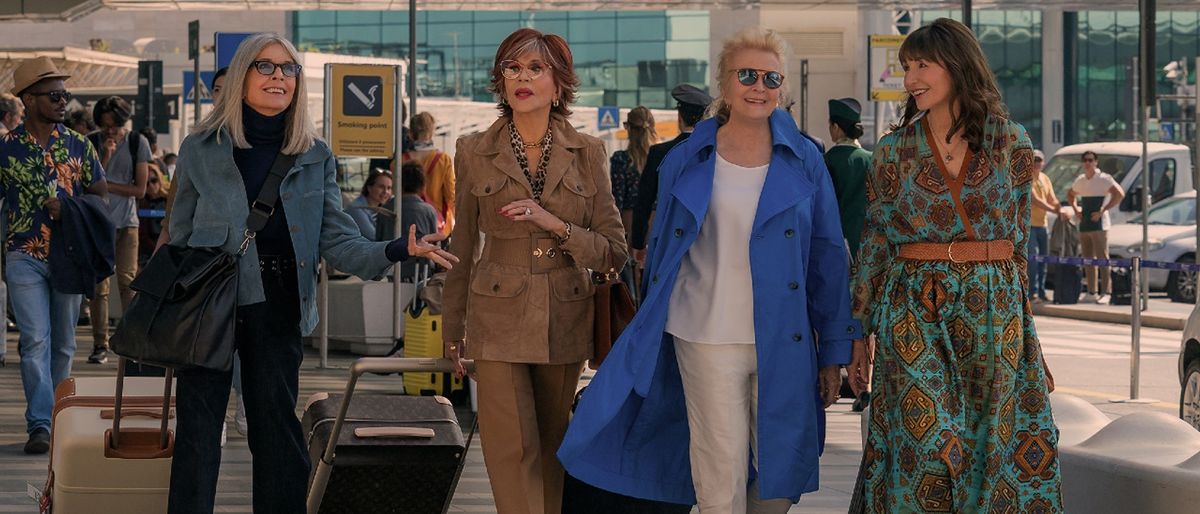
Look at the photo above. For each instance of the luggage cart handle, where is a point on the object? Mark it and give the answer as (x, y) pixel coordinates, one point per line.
(382, 365)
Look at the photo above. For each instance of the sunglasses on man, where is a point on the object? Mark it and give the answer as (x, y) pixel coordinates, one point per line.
(56, 96)
(749, 76)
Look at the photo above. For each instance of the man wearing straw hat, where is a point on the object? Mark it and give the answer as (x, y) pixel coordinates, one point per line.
(42, 163)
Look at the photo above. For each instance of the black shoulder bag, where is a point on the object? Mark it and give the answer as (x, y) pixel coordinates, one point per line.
(185, 307)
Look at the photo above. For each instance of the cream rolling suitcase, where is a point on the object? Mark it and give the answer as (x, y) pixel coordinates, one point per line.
(91, 470)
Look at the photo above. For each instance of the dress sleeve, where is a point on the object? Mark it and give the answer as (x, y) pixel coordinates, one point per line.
(1021, 170)
(875, 252)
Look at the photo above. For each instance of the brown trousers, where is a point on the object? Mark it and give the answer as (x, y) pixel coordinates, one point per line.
(1095, 246)
(523, 414)
(127, 267)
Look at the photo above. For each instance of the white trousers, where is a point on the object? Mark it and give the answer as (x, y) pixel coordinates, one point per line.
(720, 389)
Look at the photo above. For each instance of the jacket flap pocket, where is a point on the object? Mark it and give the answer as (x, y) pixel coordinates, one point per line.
(572, 284)
(576, 184)
(208, 235)
(488, 186)
(501, 284)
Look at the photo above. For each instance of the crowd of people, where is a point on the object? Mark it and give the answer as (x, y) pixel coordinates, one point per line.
(768, 270)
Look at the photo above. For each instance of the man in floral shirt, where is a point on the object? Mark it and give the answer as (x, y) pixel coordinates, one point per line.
(42, 162)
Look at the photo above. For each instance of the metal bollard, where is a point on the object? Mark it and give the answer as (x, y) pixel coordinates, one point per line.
(1135, 344)
(1135, 301)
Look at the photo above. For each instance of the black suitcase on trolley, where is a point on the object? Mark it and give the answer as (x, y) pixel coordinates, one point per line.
(1120, 287)
(382, 463)
(1068, 284)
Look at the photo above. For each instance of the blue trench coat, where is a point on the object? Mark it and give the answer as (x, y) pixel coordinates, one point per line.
(630, 432)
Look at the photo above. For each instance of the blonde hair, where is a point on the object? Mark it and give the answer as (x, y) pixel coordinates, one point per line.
(422, 126)
(752, 38)
(300, 133)
(642, 134)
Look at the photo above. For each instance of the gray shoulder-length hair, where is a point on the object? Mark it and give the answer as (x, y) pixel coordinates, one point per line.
(227, 113)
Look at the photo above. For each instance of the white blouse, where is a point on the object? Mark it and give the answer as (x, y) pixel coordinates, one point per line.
(713, 298)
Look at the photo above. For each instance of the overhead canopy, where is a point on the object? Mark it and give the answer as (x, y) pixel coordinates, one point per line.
(44, 10)
(89, 69)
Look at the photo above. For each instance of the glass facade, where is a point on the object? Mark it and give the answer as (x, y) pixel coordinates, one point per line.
(1106, 42)
(622, 58)
(1012, 42)
(1100, 48)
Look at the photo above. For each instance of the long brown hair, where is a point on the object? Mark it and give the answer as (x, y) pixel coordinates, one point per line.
(642, 134)
(953, 46)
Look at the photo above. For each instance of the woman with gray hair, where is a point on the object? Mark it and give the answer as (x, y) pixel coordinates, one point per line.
(260, 117)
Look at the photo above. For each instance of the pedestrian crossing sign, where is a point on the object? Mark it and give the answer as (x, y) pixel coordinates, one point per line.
(608, 117)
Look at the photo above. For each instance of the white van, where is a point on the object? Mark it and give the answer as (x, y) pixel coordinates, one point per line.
(1170, 171)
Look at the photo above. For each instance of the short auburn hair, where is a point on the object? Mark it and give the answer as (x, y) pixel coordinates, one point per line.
(554, 51)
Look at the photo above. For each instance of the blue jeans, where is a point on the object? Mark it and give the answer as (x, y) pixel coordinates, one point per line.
(46, 319)
(1039, 244)
(267, 338)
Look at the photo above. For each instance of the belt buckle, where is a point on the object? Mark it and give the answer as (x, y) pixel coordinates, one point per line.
(950, 254)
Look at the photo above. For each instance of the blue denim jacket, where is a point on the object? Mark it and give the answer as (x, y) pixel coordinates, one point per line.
(211, 208)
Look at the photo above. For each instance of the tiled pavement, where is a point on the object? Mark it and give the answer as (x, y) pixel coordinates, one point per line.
(18, 471)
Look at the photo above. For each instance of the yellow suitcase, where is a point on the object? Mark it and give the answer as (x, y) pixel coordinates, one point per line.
(423, 338)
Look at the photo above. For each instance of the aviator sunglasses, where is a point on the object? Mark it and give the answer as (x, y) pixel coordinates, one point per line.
(749, 76)
(290, 69)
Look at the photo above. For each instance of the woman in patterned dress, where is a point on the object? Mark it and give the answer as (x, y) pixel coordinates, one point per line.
(960, 414)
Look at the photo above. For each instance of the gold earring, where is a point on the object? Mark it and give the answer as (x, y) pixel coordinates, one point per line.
(555, 102)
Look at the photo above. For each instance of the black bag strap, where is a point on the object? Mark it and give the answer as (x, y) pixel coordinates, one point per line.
(264, 206)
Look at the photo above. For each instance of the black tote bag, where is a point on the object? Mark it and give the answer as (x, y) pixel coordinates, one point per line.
(185, 307)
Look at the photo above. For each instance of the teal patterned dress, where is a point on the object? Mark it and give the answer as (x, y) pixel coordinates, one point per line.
(960, 412)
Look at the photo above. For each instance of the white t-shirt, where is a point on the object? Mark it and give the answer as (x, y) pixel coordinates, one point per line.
(1098, 185)
(713, 298)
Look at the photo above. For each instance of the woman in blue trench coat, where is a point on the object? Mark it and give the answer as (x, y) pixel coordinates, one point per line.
(636, 430)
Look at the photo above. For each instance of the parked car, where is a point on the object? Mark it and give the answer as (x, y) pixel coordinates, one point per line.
(1189, 371)
(1172, 238)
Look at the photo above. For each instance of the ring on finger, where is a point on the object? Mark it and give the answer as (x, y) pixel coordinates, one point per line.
(528, 211)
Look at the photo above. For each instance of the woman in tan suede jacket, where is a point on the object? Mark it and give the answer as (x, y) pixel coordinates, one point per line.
(539, 193)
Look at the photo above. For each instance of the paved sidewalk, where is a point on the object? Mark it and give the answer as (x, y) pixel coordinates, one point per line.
(839, 466)
(1162, 312)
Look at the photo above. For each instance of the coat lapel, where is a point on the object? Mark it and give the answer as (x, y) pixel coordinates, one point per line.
(562, 153)
(226, 172)
(694, 186)
(782, 189)
(497, 143)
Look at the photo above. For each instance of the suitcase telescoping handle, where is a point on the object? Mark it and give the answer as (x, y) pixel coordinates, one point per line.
(381, 365)
(163, 439)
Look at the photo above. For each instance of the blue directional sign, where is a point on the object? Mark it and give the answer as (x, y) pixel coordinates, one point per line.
(226, 44)
(608, 117)
(206, 79)
(1167, 130)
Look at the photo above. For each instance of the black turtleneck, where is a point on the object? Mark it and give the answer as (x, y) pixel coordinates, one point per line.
(265, 135)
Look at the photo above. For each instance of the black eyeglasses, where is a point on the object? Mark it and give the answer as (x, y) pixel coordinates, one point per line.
(749, 76)
(290, 69)
(56, 96)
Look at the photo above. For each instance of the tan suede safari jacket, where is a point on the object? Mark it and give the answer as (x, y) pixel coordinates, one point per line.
(526, 299)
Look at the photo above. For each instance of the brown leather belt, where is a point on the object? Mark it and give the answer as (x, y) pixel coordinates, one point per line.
(958, 251)
(539, 252)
